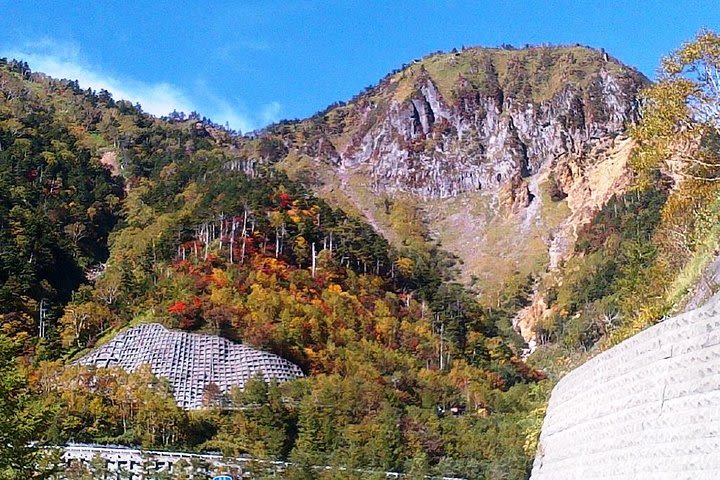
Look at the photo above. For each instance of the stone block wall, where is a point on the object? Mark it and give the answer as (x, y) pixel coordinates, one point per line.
(648, 408)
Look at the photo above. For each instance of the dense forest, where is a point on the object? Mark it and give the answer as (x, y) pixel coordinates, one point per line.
(112, 217)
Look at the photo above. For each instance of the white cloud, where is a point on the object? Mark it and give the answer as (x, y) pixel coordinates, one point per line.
(234, 111)
(223, 112)
(62, 60)
(270, 113)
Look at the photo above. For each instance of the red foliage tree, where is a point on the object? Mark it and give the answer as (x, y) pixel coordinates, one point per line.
(178, 308)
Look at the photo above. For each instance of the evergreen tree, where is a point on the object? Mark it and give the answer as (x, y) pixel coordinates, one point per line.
(22, 419)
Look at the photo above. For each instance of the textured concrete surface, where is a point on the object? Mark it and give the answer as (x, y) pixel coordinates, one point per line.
(190, 361)
(649, 408)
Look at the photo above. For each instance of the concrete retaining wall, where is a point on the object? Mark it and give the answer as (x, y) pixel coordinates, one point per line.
(190, 361)
(648, 408)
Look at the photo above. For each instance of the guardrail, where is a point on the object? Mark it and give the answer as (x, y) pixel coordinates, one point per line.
(137, 464)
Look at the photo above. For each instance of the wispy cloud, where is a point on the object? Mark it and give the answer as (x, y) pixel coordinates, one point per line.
(234, 111)
(62, 60)
(225, 113)
(270, 113)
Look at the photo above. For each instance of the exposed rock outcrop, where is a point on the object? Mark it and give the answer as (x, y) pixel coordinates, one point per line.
(502, 154)
(516, 194)
(110, 160)
(437, 148)
(586, 185)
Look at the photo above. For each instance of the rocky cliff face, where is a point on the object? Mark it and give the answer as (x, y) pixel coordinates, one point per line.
(502, 154)
(437, 147)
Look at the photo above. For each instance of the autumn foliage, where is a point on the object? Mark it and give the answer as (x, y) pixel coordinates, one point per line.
(191, 230)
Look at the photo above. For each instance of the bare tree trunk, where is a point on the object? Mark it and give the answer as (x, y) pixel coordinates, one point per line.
(314, 258)
(282, 238)
(222, 230)
(232, 238)
(442, 331)
(207, 240)
(244, 235)
(277, 242)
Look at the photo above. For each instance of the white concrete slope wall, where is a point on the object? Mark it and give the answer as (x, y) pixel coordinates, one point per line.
(648, 408)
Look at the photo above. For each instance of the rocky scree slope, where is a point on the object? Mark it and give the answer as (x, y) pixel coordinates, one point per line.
(500, 153)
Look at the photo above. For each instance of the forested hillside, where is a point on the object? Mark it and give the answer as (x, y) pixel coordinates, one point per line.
(597, 222)
(58, 203)
(115, 217)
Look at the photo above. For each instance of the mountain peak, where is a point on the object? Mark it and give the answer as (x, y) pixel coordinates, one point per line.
(474, 119)
(533, 73)
(494, 138)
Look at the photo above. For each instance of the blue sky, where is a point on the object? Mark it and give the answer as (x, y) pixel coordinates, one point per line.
(250, 63)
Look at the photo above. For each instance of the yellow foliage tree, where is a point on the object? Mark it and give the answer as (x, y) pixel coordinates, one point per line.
(680, 127)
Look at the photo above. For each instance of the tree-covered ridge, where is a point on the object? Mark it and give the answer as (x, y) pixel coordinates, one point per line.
(57, 203)
(119, 217)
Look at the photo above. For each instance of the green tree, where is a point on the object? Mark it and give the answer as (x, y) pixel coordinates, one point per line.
(264, 421)
(680, 127)
(387, 444)
(22, 419)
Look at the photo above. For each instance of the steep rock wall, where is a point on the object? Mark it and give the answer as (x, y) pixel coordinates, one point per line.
(438, 148)
(496, 155)
(648, 408)
(587, 188)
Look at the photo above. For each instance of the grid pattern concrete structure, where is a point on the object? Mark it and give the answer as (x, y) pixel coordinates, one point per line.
(649, 408)
(190, 361)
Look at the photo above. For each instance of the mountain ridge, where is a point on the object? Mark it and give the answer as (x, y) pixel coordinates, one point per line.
(490, 137)
(595, 94)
